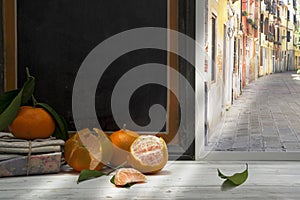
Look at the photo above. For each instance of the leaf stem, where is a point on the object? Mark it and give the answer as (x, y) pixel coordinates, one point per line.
(27, 72)
(34, 101)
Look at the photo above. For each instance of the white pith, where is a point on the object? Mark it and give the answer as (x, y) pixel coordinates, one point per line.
(148, 156)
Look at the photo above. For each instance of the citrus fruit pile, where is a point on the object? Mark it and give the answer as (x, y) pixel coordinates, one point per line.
(87, 150)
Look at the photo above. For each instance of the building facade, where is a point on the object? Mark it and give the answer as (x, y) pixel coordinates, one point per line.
(247, 39)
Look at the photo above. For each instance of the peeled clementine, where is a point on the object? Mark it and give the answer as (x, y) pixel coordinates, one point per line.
(32, 123)
(149, 154)
(128, 175)
(88, 150)
(122, 141)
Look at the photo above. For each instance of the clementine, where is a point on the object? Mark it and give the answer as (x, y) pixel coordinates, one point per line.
(128, 175)
(148, 154)
(122, 141)
(32, 123)
(87, 150)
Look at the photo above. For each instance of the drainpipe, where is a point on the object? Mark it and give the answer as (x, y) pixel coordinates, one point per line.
(286, 39)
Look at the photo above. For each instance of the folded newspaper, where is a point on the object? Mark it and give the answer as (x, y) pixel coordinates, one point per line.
(24, 157)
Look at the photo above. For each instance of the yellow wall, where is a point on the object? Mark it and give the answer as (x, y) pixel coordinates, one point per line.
(219, 9)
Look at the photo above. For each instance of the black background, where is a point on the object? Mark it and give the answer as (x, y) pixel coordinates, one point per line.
(55, 36)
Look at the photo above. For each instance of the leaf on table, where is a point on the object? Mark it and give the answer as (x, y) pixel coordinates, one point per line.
(11, 109)
(237, 178)
(127, 185)
(61, 130)
(228, 185)
(89, 174)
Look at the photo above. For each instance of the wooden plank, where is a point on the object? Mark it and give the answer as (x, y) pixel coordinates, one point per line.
(8, 10)
(179, 180)
(1, 55)
(172, 104)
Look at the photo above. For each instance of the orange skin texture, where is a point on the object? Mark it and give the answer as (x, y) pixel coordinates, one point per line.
(86, 150)
(32, 123)
(122, 140)
(77, 156)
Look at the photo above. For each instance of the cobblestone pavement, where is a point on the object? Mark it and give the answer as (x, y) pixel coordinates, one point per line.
(266, 117)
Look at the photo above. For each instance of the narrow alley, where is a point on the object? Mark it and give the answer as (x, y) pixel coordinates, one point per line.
(265, 118)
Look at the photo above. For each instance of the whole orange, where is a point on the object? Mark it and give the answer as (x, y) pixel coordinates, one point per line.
(122, 140)
(32, 123)
(87, 150)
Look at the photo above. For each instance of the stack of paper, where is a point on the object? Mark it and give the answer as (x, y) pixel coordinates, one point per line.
(24, 157)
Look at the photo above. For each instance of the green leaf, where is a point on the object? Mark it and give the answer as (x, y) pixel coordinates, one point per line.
(57, 132)
(61, 130)
(6, 98)
(127, 185)
(221, 175)
(28, 89)
(89, 174)
(11, 108)
(10, 113)
(228, 185)
(112, 180)
(237, 178)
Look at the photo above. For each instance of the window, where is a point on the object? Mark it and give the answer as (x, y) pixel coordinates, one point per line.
(266, 28)
(213, 48)
(288, 37)
(235, 56)
(288, 15)
(262, 23)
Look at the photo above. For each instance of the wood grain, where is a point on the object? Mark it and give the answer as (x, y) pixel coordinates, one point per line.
(178, 180)
(8, 10)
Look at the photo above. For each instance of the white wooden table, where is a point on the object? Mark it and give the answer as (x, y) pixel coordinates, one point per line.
(178, 180)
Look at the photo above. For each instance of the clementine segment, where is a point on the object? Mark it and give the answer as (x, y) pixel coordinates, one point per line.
(149, 154)
(87, 150)
(32, 123)
(122, 141)
(128, 175)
